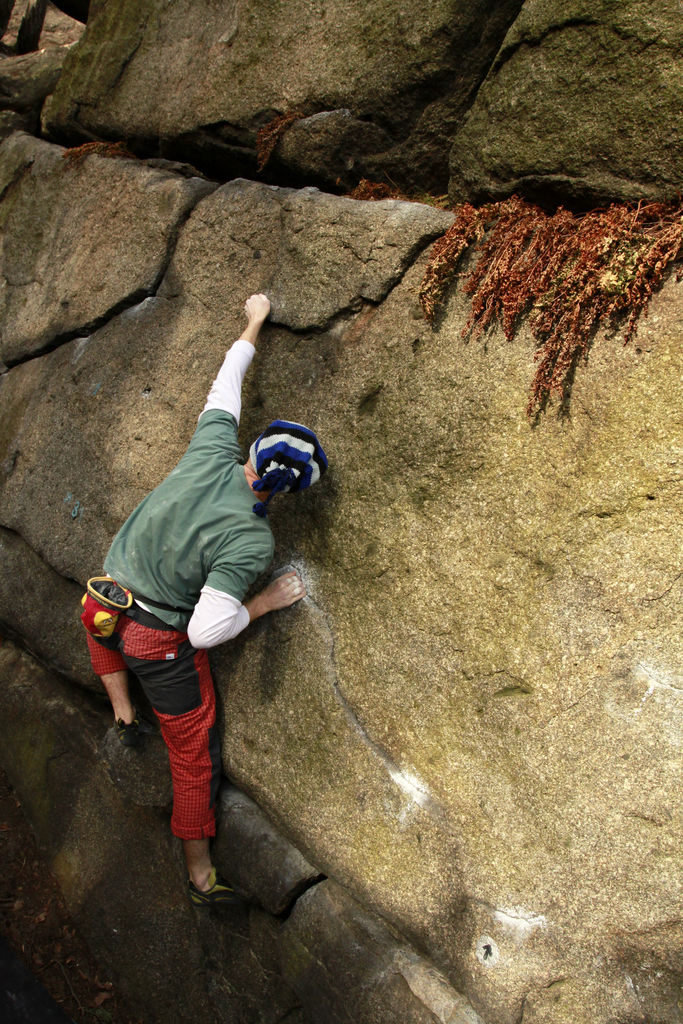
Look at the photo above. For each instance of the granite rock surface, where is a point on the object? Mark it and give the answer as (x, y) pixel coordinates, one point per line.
(406, 74)
(472, 723)
(105, 226)
(582, 104)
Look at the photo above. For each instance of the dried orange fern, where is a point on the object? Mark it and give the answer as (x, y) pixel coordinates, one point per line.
(374, 190)
(570, 273)
(468, 226)
(270, 134)
(74, 156)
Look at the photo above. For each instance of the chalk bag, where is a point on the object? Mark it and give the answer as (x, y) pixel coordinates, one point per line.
(102, 605)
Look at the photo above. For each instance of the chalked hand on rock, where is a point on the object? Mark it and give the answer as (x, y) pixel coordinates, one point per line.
(281, 593)
(284, 591)
(257, 307)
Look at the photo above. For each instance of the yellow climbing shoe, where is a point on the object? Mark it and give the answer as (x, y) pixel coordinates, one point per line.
(219, 893)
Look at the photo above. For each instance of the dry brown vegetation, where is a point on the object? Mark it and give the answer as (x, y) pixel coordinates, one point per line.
(76, 154)
(570, 273)
(268, 137)
(372, 190)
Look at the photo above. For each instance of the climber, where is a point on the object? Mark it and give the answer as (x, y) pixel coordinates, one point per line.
(177, 573)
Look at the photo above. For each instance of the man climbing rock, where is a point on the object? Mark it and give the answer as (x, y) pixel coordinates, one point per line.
(177, 574)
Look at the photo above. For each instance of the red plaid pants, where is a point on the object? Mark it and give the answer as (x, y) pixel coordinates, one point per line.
(176, 679)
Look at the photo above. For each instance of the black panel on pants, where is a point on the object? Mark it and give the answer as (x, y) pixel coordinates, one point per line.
(172, 687)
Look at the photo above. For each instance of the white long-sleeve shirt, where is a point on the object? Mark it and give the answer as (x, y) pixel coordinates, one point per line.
(218, 616)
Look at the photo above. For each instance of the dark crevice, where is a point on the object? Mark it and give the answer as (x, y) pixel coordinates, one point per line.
(87, 329)
(533, 42)
(129, 302)
(15, 533)
(221, 162)
(31, 27)
(6, 7)
(297, 893)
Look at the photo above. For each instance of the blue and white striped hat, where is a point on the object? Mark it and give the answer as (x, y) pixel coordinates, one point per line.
(286, 457)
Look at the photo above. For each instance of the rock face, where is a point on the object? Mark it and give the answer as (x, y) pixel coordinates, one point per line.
(405, 75)
(455, 789)
(584, 102)
(27, 78)
(60, 213)
(471, 724)
(104, 836)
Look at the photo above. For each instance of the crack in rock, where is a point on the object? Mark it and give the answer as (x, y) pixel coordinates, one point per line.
(535, 41)
(125, 305)
(407, 782)
(130, 302)
(55, 321)
(434, 991)
(658, 597)
(302, 889)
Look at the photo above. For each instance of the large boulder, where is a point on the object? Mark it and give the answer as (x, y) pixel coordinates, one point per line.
(584, 103)
(470, 724)
(26, 80)
(103, 226)
(484, 683)
(96, 810)
(199, 79)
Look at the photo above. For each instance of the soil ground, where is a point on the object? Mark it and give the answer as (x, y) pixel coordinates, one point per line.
(35, 923)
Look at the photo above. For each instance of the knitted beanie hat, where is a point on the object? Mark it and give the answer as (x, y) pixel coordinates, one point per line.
(286, 457)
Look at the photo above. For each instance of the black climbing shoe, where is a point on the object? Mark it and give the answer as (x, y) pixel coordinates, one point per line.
(129, 732)
(219, 893)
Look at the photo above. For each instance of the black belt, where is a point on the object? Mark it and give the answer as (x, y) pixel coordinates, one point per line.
(145, 618)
